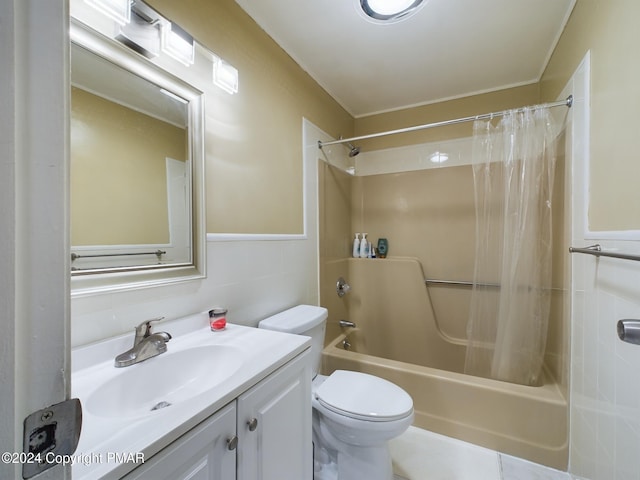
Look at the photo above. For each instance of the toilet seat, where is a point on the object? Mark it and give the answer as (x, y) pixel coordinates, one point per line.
(364, 397)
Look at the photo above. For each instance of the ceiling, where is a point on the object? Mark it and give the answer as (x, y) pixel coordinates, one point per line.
(448, 49)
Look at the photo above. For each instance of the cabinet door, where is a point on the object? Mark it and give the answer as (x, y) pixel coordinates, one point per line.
(274, 425)
(203, 453)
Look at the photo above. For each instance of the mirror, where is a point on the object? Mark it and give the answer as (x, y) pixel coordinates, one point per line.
(136, 156)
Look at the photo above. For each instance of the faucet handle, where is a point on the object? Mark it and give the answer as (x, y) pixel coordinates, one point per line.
(143, 330)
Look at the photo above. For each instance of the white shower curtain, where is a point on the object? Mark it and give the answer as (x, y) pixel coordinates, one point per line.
(513, 167)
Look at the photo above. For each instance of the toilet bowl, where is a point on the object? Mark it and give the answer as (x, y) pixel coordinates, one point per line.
(354, 414)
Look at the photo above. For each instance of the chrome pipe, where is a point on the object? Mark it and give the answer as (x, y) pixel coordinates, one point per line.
(568, 102)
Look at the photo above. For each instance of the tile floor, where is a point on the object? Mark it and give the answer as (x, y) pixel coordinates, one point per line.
(422, 455)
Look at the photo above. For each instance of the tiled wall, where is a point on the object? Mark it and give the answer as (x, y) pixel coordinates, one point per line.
(605, 400)
(252, 279)
(605, 390)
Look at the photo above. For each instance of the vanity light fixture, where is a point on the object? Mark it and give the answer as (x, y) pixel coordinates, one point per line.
(390, 10)
(439, 157)
(117, 10)
(225, 75)
(177, 43)
(141, 34)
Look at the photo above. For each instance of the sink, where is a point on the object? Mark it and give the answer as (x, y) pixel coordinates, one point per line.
(160, 382)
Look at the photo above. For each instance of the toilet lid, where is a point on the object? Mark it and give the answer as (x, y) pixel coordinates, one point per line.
(363, 396)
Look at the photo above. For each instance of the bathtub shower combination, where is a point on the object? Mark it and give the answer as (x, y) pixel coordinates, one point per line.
(492, 387)
(399, 340)
(527, 422)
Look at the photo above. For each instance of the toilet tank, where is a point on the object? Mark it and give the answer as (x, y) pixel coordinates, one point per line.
(306, 320)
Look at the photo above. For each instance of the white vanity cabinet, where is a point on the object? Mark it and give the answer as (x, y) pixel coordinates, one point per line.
(204, 453)
(274, 426)
(265, 434)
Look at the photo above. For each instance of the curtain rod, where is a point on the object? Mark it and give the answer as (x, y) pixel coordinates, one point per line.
(487, 116)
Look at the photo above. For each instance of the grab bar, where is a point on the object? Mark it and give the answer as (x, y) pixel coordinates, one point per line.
(596, 250)
(459, 283)
(75, 256)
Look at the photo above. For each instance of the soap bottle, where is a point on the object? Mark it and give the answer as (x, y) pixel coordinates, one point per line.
(364, 246)
(383, 247)
(356, 245)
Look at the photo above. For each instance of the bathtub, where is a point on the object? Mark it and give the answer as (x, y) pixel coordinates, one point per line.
(527, 422)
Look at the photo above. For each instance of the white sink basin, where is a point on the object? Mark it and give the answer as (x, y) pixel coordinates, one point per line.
(158, 383)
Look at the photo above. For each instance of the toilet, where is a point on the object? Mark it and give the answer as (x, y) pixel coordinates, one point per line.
(354, 414)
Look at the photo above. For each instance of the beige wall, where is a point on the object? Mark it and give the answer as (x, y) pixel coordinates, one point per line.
(118, 173)
(438, 112)
(254, 155)
(430, 215)
(253, 142)
(609, 29)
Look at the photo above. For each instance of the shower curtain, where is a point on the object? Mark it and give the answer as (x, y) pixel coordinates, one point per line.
(513, 169)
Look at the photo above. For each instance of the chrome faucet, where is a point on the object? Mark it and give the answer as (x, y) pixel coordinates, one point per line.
(145, 345)
(342, 287)
(346, 323)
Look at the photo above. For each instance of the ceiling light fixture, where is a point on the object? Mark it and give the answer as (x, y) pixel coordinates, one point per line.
(390, 10)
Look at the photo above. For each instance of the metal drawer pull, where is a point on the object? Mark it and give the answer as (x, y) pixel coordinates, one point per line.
(232, 442)
(253, 424)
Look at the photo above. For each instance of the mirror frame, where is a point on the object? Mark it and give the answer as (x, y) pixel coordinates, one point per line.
(85, 282)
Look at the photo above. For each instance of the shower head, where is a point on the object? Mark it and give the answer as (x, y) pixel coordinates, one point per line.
(353, 151)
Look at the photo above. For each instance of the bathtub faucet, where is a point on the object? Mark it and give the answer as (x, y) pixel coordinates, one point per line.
(342, 287)
(346, 323)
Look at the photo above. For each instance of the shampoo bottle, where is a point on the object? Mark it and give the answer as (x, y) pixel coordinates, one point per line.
(356, 245)
(383, 247)
(364, 246)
